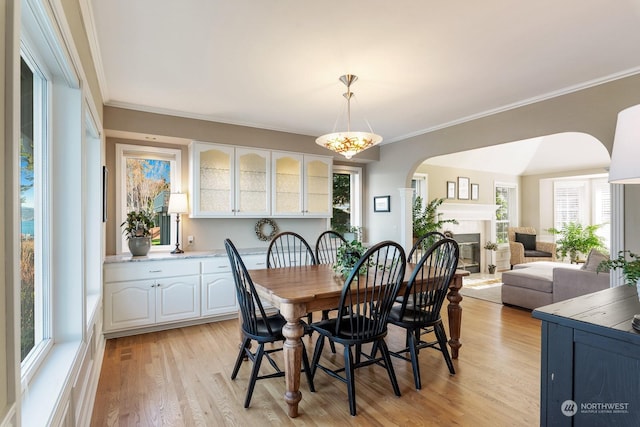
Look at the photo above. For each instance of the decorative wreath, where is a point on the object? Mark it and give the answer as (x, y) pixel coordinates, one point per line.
(260, 226)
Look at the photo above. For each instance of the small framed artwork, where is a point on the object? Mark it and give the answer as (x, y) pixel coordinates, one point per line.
(382, 204)
(475, 191)
(451, 190)
(463, 188)
(105, 182)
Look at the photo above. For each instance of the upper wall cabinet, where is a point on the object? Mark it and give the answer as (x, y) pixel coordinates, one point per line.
(228, 181)
(302, 185)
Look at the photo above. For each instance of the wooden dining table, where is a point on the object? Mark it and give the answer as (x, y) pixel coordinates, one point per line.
(296, 291)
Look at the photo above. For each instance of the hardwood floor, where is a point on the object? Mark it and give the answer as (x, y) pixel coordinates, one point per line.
(181, 377)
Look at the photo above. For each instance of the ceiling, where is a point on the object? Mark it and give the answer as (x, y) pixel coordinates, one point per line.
(422, 64)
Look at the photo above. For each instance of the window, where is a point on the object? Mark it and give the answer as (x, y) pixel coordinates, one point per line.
(584, 200)
(419, 185)
(347, 198)
(507, 212)
(145, 177)
(34, 284)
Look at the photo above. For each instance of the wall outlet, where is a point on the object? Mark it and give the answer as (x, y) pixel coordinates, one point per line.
(190, 240)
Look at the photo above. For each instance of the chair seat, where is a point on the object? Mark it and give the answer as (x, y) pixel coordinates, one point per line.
(276, 322)
(346, 333)
(537, 254)
(411, 317)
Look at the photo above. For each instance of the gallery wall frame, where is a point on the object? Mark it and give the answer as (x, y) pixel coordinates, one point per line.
(451, 189)
(475, 191)
(382, 203)
(463, 188)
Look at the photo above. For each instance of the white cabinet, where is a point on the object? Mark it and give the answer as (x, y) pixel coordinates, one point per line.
(228, 181)
(138, 294)
(218, 288)
(301, 185)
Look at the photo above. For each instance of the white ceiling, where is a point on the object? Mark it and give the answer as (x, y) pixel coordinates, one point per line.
(422, 64)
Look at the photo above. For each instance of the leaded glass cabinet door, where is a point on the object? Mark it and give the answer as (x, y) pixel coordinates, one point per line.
(287, 184)
(212, 176)
(253, 179)
(318, 183)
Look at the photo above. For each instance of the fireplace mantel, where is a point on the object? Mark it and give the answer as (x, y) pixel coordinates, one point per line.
(468, 211)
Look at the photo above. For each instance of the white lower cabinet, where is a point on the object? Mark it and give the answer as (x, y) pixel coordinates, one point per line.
(218, 288)
(140, 294)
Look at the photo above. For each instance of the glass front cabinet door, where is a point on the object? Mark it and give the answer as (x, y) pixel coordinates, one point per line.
(301, 185)
(226, 181)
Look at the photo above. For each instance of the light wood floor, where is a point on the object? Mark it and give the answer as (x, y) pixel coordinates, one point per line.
(181, 377)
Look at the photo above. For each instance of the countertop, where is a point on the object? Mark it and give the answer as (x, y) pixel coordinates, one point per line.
(165, 256)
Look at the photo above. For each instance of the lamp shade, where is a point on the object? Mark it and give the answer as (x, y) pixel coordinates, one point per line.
(178, 203)
(625, 158)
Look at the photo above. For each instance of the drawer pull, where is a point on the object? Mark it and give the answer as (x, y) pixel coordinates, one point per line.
(155, 271)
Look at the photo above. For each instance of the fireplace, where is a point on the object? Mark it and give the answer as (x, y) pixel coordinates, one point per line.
(469, 251)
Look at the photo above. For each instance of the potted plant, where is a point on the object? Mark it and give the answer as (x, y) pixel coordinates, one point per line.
(577, 239)
(427, 218)
(347, 256)
(630, 267)
(137, 228)
(353, 233)
(491, 247)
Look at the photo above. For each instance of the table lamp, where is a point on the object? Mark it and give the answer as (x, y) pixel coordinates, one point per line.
(625, 163)
(178, 205)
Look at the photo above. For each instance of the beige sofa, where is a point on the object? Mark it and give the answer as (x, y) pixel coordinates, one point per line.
(535, 284)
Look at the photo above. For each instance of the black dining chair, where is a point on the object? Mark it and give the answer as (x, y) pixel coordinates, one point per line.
(257, 326)
(419, 312)
(327, 246)
(289, 249)
(367, 297)
(422, 244)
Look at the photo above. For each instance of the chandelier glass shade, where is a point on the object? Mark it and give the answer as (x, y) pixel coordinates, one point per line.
(349, 143)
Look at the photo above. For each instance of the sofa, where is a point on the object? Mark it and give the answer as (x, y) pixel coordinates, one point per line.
(535, 284)
(525, 248)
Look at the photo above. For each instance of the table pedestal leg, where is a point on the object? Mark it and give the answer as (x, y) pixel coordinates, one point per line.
(455, 315)
(293, 332)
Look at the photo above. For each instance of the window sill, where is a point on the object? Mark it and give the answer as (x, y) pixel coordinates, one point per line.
(41, 398)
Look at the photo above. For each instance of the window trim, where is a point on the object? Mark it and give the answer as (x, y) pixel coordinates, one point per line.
(159, 153)
(514, 219)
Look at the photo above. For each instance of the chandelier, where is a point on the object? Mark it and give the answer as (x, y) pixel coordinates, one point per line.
(349, 143)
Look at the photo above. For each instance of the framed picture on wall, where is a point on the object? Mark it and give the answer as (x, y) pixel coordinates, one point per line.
(382, 204)
(451, 190)
(475, 191)
(463, 188)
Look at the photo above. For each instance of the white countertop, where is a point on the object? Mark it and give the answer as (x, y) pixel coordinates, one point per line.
(165, 256)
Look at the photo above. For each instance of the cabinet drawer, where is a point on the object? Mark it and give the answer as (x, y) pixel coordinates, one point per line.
(216, 265)
(149, 270)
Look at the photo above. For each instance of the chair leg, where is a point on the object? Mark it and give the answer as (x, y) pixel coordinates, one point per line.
(316, 355)
(309, 321)
(240, 358)
(414, 361)
(307, 369)
(387, 361)
(254, 374)
(442, 342)
(351, 384)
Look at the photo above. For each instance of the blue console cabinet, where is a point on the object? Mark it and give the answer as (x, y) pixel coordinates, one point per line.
(590, 365)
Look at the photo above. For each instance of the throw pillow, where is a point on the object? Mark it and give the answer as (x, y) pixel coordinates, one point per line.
(527, 240)
(593, 260)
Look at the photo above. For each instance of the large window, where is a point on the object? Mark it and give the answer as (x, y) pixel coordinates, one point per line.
(34, 311)
(146, 176)
(507, 212)
(347, 199)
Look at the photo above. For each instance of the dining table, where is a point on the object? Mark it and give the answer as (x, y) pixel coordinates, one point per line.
(296, 291)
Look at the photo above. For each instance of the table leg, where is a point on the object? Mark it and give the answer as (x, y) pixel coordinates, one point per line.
(455, 315)
(293, 332)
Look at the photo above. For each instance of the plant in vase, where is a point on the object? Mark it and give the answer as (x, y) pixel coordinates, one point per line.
(347, 256)
(137, 228)
(630, 267)
(577, 239)
(491, 247)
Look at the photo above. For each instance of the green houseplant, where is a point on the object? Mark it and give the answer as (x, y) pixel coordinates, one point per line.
(577, 239)
(426, 218)
(630, 267)
(347, 256)
(491, 247)
(137, 228)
